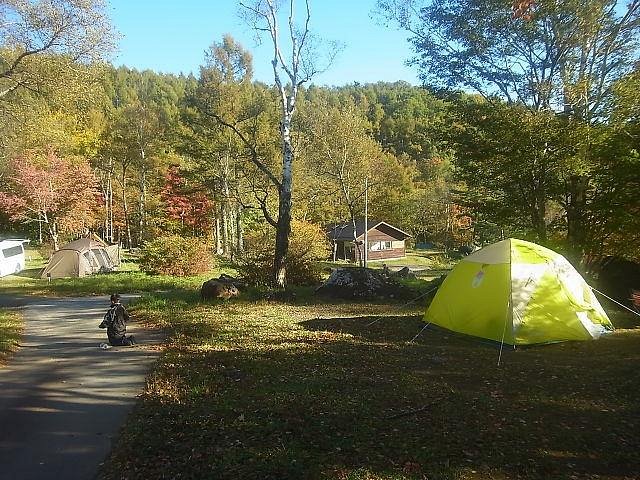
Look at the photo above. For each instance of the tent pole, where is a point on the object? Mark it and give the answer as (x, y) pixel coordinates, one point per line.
(509, 314)
(502, 342)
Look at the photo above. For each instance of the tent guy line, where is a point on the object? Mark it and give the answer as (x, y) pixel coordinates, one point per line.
(406, 305)
(615, 301)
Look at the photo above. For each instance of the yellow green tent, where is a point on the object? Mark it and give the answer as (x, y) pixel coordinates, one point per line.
(518, 293)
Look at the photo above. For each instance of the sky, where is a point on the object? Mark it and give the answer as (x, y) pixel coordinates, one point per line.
(170, 36)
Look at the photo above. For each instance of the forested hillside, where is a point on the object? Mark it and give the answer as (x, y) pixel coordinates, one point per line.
(471, 157)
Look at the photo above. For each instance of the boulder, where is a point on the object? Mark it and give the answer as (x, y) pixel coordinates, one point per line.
(404, 272)
(218, 288)
(360, 283)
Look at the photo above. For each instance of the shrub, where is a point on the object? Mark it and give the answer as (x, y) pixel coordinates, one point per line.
(441, 262)
(308, 245)
(175, 255)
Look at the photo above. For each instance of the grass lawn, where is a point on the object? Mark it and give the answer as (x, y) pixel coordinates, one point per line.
(266, 390)
(10, 330)
(128, 279)
(415, 259)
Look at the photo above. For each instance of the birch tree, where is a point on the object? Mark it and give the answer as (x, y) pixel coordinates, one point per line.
(294, 62)
(73, 30)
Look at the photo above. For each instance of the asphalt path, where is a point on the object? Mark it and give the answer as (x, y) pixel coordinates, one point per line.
(62, 398)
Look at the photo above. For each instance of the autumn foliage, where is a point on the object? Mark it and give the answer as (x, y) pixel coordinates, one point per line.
(59, 192)
(309, 245)
(188, 205)
(175, 255)
(523, 9)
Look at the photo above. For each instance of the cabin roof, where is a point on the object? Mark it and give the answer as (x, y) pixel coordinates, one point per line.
(343, 231)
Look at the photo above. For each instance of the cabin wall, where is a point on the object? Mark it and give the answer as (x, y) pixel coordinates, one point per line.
(382, 246)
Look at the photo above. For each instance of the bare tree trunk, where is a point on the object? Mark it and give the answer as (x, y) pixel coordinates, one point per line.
(217, 234)
(239, 231)
(53, 232)
(232, 230)
(228, 221)
(110, 235)
(224, 228)
(229, 216)
(356, 245)
(576, 232)
(107, 194)
(125, 207)
(283, 231)
(143, 199)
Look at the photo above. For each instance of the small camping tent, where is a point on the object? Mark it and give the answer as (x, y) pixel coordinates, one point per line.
(518, 293)
(77, 259)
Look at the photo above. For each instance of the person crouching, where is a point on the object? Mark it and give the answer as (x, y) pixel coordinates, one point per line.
(115, 321)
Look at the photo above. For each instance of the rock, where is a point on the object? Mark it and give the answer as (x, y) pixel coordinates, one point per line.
(217, 288)
(359, 283)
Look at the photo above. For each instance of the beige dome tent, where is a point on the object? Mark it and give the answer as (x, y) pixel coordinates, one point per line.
(77, 259)
(112, 250)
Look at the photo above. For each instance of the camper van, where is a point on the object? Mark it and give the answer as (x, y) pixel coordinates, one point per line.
(11, 256)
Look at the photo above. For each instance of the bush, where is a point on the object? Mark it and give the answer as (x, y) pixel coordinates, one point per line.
(441, 262)
(177, 256)
(308, 245)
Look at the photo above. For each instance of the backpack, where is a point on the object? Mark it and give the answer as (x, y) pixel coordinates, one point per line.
(109, 317)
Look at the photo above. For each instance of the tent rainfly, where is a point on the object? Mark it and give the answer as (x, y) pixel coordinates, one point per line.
(518, 293)
(77, 259)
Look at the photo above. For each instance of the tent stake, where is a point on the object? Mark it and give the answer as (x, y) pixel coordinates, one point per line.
(423, 329)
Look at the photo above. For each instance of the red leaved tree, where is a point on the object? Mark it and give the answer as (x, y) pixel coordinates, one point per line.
(58, 193)
(187, 204)
(523, 8)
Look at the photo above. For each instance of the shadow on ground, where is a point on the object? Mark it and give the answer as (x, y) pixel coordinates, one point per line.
(347, 398)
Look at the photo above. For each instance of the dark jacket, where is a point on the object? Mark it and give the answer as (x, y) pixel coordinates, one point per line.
(115, 321)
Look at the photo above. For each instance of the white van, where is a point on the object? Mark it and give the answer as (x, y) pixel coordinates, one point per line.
(11, 256)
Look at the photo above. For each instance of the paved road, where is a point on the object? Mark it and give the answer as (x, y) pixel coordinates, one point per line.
(63, 399)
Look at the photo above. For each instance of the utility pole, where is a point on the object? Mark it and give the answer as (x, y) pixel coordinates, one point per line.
(366, 221)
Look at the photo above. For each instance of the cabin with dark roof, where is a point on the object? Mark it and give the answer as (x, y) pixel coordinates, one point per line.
(385, 241)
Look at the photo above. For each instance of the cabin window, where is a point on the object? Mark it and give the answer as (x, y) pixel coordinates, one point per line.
(376, 246)
(12, 251)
